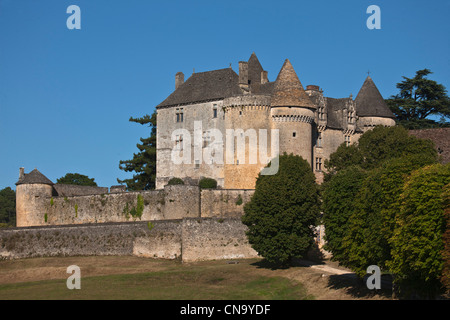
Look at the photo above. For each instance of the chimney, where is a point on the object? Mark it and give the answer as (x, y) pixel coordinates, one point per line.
(21, 173)
(243, 73)
(179, 79)
(264, 77)
(313, 87)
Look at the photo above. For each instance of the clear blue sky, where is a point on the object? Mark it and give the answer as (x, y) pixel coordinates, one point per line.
(66, 95)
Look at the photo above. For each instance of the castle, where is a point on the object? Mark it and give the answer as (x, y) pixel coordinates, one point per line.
(309, 124)
(184, 220)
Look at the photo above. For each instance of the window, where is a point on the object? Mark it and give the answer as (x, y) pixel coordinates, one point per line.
(179, 142)
(321, 112)
(350, 116)
(179, 113)
(319, 140)
(318, 164)
(197, 164)
(215, 111)
(294, 134)
(347, 140)
(240, 113)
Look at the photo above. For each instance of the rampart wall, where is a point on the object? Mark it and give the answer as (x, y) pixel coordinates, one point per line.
(188, 239)
(172, 202)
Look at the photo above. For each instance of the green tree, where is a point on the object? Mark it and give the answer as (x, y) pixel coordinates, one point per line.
(417, 243)
(445, 279)
(372, 223)
(77, 179)
(8, 206)
(418, 99)
(338, 205)
(377, 146)
(143, 162)
(283, 211)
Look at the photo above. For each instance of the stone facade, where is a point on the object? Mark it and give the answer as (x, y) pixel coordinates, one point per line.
(308, 123)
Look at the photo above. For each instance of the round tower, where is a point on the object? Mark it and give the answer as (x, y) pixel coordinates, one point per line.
(292, 113)
(32, 190)
(245, 116)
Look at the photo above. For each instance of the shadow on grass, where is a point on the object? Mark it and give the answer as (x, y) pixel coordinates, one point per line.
(357, 287)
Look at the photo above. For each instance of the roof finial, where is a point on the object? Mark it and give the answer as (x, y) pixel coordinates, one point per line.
(368, 73)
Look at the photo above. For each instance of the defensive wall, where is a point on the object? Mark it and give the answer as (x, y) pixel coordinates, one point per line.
(188, 239)
(172, 202)
(177, 222)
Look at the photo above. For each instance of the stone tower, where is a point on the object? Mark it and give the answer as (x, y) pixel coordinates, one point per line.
(292, 113)
(31, 189)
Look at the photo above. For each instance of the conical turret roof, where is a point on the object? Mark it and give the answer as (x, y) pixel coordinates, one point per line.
(34, 177)
(370, 103)
(288, 90)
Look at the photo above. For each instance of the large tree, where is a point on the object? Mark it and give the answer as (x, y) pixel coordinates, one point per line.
(77, 179)
(283, 211)
(418, 99)
(143, 162)
(8, 206)
(417, 243)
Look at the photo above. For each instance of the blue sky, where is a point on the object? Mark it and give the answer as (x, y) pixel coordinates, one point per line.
(66, 95)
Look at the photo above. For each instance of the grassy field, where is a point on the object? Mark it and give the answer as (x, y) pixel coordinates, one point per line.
(133, 278)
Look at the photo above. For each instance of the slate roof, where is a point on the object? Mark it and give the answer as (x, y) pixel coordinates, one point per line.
(334, 112)
(288, 90)
(34, 177)
(370, 103)
(205, 86)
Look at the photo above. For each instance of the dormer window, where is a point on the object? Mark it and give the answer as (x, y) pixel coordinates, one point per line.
(350, 116)
(321, 113)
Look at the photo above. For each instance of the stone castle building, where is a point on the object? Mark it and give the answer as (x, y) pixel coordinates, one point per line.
(309, 123)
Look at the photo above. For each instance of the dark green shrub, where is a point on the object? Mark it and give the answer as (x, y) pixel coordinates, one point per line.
(175, 181)
(207, 183)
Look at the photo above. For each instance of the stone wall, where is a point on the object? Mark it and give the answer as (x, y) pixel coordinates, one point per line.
(215, 239)
(172, 202)
(440, 138)
(191, 239)
(226, 203)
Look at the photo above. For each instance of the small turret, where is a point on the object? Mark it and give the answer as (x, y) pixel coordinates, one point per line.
(30, 189)
(371, 108)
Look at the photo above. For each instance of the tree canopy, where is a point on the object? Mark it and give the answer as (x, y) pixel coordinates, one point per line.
(143, 163)
(377, 146)
(8, 206)
(383, 205)
(418, 99)
(77, 179)
(283, 211)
